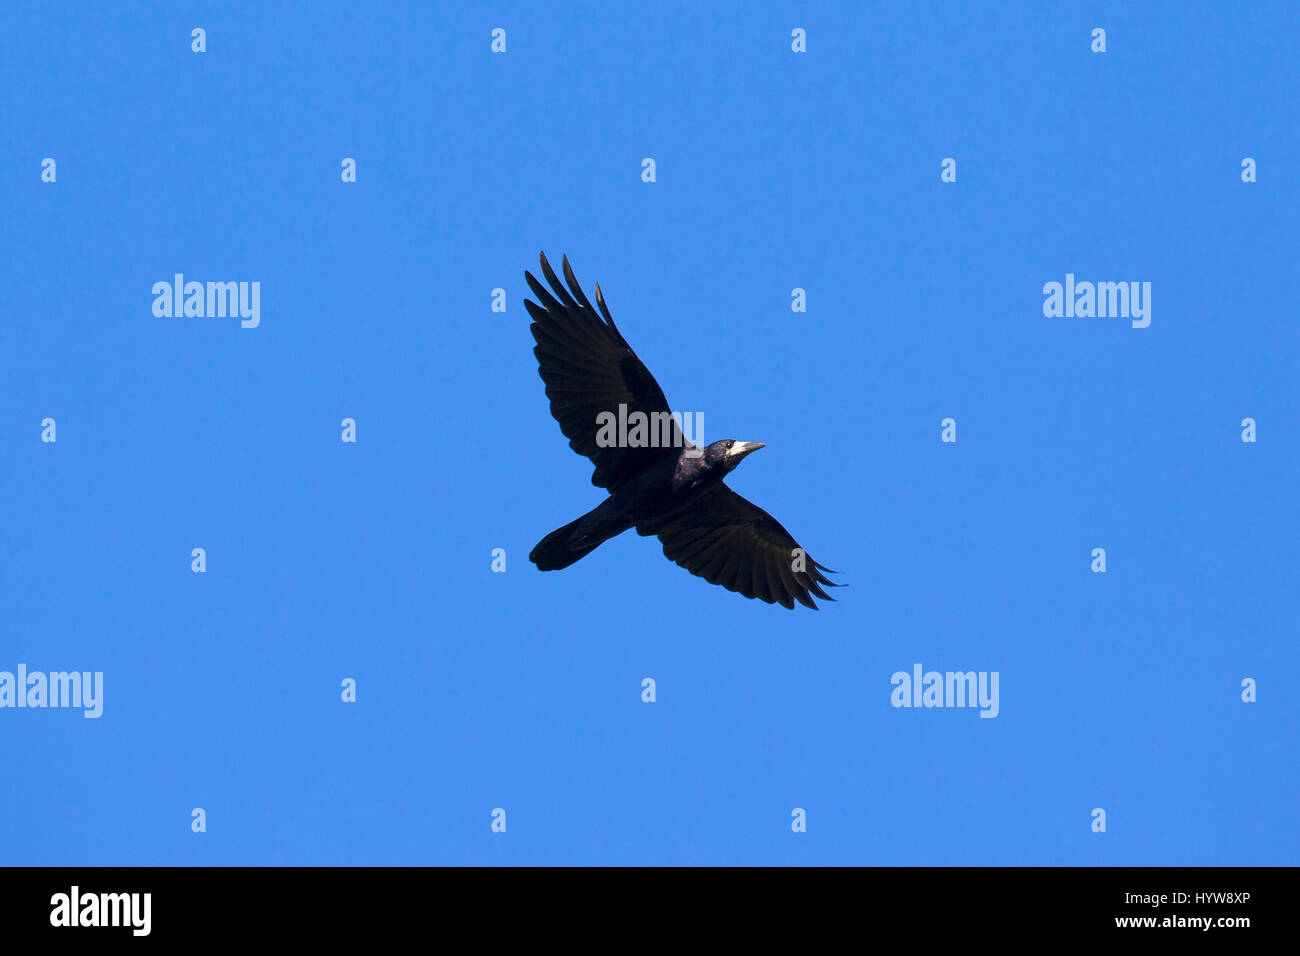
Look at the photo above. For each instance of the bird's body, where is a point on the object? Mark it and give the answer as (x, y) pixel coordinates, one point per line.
(672, 489)
(662, 491)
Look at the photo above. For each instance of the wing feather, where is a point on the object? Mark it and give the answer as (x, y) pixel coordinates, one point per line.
(589, 368)
(730, 541)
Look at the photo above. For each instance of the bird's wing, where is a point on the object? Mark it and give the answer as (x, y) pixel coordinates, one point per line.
(731, 541)
(589, 368)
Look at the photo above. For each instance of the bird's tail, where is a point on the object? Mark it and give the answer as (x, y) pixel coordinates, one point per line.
(553, 552)
(580, 537)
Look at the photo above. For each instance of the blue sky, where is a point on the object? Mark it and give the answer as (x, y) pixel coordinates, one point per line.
(774, 171)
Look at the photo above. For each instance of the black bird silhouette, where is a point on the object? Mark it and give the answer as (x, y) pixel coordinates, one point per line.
(664, 485)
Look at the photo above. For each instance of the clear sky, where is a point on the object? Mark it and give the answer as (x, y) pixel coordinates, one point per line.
(774, 171)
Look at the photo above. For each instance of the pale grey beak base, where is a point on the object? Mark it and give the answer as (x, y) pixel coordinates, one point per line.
(742, 448)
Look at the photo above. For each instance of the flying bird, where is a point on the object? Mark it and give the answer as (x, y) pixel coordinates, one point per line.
(671, 488)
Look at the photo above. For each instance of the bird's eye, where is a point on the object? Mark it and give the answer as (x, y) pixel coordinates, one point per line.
(730, 443)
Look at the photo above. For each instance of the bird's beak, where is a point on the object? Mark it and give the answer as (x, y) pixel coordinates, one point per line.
(742, 448)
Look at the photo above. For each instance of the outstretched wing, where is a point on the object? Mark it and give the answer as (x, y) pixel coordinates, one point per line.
(589, 368)
(729, 540)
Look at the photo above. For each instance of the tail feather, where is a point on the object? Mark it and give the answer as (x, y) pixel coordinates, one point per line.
(553, 552)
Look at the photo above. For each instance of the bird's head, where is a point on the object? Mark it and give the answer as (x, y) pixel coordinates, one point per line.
(728, 453)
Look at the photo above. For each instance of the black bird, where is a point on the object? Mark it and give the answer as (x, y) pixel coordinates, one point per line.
(675, 489)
